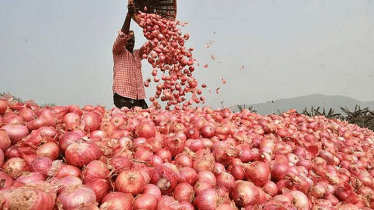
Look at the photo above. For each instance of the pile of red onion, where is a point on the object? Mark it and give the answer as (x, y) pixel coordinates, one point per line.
(170, 58)
(67, 157)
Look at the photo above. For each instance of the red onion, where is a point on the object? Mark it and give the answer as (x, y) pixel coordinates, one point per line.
(184, 205)
(184, 192)
(67, 170)
(143, 154)
(3, 106)
(318, 191)
(120, 163)
(145, 201)
(206, 200)
(118, 120)
(60, 112)
(245, 193)
(258, 172)
(75, 196)
(6, 180)
(174, 144)
(37, 123)
(117, 200)
(2, 156)
(68, 182)
(12, 118)
(50, 150)
(101, 187)
(91, 206)
(152, 190)
(96, 169)
(226, 180)
(168, 203)
(48, 131)
(81, 153)
(71, 121)
(30, 177)
(91, 121)
(201, 186)
(41, 165)
(237, 172)
(270, 188)
(192, 133)
(4, 140)
(300, 200)
(68, 138)
(130, 181)
(188, 175)
(196, 145)
(165, 178)
(224, 207)
(145, 129)
(164, 154)
(219, 168)
(15, 132)
(14, 167)
(183, 160)
(204, 160)
(207, 176)
(207, 131)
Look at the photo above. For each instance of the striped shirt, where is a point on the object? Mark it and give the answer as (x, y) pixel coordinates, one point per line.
(127, 70)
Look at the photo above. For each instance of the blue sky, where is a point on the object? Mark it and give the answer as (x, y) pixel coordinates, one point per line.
(60, 51)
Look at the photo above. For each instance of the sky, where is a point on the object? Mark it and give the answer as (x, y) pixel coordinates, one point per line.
(59, 51)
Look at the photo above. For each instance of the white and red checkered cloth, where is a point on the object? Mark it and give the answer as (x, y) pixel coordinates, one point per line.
(127, 71)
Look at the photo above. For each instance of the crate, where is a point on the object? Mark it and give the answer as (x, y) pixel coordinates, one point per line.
(164, 8)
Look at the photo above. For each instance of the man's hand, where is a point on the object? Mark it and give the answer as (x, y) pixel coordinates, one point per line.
(131, 9)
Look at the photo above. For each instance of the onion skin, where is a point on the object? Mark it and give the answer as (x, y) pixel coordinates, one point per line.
(14, 167)
(27, 198)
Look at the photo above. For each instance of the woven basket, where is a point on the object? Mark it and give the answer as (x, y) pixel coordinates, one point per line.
(164, 8)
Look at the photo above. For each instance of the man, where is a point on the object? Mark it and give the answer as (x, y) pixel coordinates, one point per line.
(128, 87)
